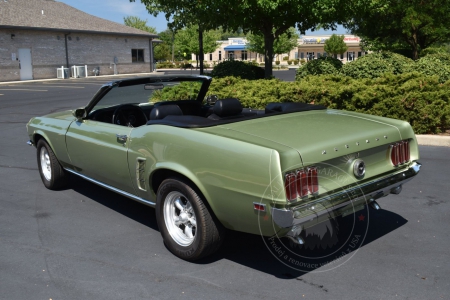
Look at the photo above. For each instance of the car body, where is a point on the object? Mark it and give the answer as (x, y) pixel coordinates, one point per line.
(206, 166)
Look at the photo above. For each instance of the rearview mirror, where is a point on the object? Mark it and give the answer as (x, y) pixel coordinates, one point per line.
(79, 113)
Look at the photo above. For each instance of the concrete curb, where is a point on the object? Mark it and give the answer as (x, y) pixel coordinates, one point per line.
(89, 77)
(433, 140)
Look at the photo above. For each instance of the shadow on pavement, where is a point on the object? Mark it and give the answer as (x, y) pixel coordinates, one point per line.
(258, 253)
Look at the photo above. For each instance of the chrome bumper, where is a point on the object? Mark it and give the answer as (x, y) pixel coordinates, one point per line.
(332, 205)
(30, 143)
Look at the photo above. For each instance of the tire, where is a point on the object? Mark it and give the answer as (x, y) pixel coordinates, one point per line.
(189, 230)
(52, 174)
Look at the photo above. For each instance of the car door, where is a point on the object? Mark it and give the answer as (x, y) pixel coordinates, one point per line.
(99, 150)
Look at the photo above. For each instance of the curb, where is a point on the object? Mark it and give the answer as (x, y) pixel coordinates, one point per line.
(433, 140)
(88, 77)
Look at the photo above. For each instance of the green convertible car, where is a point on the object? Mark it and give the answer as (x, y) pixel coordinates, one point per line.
(208, 165)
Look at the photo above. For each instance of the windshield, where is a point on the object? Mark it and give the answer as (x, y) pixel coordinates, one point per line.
(150, 93)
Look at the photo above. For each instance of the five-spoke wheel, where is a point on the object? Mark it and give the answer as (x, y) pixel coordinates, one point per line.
(52, 174)
(189, 229)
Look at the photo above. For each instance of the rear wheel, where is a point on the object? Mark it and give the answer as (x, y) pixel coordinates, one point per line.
(52, 174)
(188, 228)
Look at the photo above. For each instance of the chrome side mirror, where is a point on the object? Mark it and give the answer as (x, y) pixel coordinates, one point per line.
(211, 99)
(80, 113)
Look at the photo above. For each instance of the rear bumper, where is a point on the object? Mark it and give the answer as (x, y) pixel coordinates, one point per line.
(339, 203)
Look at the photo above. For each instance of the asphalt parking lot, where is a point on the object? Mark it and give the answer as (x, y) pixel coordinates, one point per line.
(88, 243)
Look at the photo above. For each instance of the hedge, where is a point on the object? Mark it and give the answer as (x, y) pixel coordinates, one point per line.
(414, 97)
(238, 69)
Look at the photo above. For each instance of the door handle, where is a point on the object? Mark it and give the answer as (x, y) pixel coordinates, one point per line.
(122, 137)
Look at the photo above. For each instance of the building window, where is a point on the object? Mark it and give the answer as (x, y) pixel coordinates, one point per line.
(296, 55)
(220, 55)
(359, 54)
(350, 56)
(230, 55)
(244, 55)
(309, 55)
(137, 55)
(325, 54)
(210, 56)
(318, 55)
(302, 55)
(342, 56)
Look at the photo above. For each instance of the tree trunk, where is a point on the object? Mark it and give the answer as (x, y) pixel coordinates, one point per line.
(200, 42)
(268, 55)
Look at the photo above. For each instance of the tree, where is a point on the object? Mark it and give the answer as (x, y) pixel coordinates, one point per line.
(181, 13)
(270, 18)
(283, 44)
(335, 45)
(391, 24)
(186, 41)
(136, 22)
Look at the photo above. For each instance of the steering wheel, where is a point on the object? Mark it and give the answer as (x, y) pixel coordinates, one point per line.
(129, 115)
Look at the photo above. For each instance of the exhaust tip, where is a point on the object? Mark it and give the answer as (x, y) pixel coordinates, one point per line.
(374, 205)
(296, 239)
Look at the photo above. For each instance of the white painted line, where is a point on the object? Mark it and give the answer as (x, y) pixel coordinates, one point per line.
(46, 83)
(28, 90)
(56, 86)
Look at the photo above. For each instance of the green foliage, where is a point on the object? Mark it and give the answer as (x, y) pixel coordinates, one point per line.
(138, 23)
(322, 65)
(237, 69)
(433, 65)
(390, 25)
(335, 45)
(183, 91)
(277, 62)
(419, 99)
(374, 65)
(186, 40)
(289, 62)
(283, 44)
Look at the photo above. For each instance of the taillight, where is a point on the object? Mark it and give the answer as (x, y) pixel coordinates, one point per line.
(301, 183)
(400, 153)
(313, 182)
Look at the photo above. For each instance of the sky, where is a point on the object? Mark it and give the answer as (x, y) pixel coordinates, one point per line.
(116, 10)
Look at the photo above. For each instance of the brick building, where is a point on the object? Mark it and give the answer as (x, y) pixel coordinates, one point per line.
(39, 36)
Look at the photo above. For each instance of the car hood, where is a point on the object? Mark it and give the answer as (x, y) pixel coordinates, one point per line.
(323, 135)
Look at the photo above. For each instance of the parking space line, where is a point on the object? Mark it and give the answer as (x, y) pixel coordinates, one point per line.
(55, 86)
(28, 90)
(46, 83)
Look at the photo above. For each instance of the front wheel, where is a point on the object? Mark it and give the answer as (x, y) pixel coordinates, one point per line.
(188, 228)
(52, 174)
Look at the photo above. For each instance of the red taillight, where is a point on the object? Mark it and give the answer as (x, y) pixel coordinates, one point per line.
(301, 183)
(400, 153)
(313, 182)
(291, 188)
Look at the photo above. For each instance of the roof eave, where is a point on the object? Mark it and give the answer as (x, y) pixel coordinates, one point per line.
(149, 35)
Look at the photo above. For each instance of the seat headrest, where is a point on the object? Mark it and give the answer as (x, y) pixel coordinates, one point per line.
(227, 107)
(160, 112)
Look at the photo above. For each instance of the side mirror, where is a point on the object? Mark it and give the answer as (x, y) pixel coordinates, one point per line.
(79, 113)
(211, 99)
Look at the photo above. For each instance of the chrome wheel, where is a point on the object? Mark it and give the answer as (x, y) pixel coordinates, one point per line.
(46, 167)
(179, 218)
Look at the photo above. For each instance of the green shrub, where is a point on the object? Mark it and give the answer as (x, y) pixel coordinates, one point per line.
(286, 58)
(302, 61)
(374, 65)
(237, 69)
(414, 97)
(289, 62)
(323, 65)
(296, 61)
(433, 65)
(277, 62)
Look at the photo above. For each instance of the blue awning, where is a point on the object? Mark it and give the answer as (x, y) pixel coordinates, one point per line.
(235, 47)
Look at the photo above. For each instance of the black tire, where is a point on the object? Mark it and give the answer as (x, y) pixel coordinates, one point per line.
(52, 174)
(208, 232)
